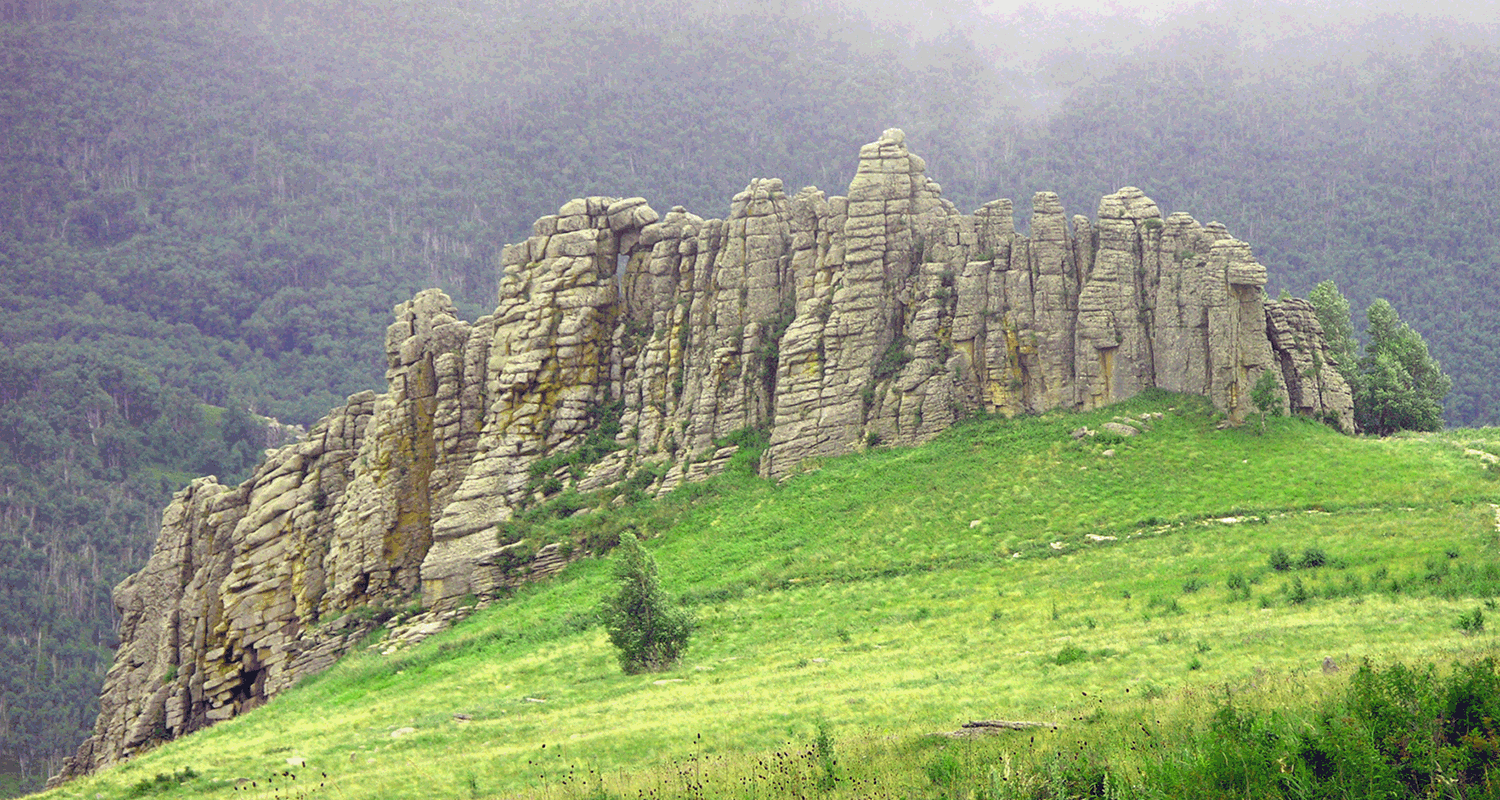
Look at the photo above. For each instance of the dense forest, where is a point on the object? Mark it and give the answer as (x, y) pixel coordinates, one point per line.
(208, 208)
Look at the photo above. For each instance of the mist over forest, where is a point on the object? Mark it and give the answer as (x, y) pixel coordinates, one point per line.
(208, 208)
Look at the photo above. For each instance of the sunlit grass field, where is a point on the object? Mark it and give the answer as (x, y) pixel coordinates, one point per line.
(1004, 571)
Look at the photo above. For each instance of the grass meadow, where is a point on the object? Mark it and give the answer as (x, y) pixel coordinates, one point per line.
(852, 616)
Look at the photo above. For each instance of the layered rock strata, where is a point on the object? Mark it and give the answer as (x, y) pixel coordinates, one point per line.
(629, 345)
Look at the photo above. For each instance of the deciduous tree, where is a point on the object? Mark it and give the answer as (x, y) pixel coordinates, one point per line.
(1401, 386)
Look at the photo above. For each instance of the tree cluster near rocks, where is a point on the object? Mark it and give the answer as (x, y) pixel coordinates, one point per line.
(1397, 383)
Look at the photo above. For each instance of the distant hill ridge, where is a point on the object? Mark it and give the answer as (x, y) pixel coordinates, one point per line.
(627, 351)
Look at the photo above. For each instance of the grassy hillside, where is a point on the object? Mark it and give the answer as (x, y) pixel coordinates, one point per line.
(1004, 571)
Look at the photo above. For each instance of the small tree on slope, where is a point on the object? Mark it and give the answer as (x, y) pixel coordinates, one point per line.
(649, 631)
(1266, 397)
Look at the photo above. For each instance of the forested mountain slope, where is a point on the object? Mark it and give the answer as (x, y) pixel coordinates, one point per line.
(219, 202)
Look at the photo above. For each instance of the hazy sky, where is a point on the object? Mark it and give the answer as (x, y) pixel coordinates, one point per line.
(932, 17)
(1149, 10)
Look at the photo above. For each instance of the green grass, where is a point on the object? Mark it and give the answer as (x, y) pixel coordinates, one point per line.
(1002, 571)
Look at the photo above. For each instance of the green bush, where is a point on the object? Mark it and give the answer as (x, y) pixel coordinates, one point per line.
(1312, 557)
(1396, 732)
(1280, 560)
(893, 359)
(1239, 588)
(1266, 397)
(1070, 654)
(1168, 605)
(649, 631)
(827, 760)
(1298, 594)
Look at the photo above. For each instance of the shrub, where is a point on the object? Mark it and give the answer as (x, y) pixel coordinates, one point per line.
(1472, 623)
(1311, 558)
(649, 631)
(161, 783)
(1239, 588)
(827, 760)
(893, 359)
(1266, 397)
(1070, 654)
(1168, 605)
(1298, 594)
(1280, 560)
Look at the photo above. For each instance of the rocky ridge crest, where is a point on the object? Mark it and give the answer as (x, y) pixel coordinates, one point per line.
(628, 344)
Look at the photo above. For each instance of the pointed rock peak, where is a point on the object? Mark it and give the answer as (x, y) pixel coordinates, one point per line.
(886, 154)
(760, 199)
(630, 214)
(811, 193)
(1241, 268)
(1180, 220)
(887, 171)
(1046, 203)
(1232, 248)
(1128, 203)
(1049, 223)
(996, 223)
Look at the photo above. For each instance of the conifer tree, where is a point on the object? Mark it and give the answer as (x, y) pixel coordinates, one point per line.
(644, 625)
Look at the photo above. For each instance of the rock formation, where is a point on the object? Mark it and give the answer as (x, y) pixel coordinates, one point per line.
(629, 345)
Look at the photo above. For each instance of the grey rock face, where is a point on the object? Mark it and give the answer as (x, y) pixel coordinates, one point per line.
(1312, 383)
(831, 322)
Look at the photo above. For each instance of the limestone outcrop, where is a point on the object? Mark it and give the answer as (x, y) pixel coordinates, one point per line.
(627, 346)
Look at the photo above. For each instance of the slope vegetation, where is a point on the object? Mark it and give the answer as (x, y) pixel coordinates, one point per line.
(1005, 571)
